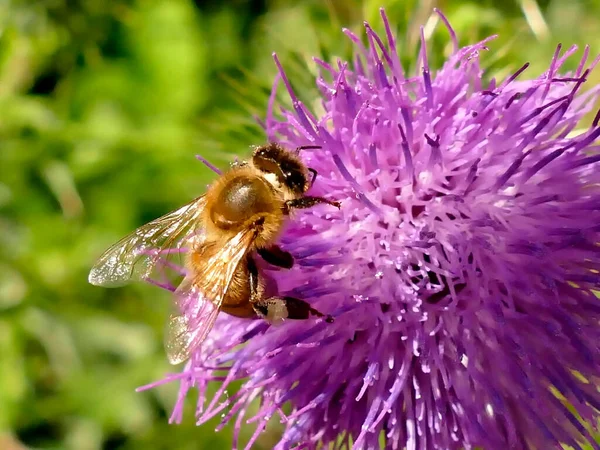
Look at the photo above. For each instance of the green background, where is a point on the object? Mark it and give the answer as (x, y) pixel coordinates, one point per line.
(103, 105)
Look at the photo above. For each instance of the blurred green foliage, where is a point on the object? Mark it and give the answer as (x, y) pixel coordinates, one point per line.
(103, 106)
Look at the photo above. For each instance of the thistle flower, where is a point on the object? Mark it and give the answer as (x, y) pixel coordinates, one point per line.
(460, 270)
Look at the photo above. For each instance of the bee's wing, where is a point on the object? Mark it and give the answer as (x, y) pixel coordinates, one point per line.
(185, 332)
(157, 243)
(199, 307)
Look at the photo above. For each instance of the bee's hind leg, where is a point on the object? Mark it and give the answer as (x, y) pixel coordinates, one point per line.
(276, 309)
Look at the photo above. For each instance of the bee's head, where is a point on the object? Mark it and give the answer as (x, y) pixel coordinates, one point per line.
(287, 167)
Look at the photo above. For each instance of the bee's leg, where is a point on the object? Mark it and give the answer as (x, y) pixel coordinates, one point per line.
(277, 257)
(308, 202)
(275, 309)
(253, 279)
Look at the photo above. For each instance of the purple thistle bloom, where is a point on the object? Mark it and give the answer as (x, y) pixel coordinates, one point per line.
(460, 270)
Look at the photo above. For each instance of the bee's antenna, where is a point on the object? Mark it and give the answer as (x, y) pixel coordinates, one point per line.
(207, 163)
(314, 175)
(307, 147)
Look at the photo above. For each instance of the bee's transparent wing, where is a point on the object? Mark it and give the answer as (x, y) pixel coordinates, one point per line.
(185, 332)
(199, 307)
(160, 244)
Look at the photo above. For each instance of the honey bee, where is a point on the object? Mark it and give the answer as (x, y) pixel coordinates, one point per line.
(218, 236)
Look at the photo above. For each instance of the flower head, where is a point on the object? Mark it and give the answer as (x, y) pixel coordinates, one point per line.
(460, 270)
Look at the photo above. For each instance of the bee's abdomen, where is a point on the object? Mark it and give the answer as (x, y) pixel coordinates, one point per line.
(239, 199)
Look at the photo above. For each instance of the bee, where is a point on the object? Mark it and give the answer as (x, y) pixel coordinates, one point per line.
(218, 237)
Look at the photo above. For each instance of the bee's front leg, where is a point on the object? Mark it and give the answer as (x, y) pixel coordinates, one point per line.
(308, 202)
(276, 309)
